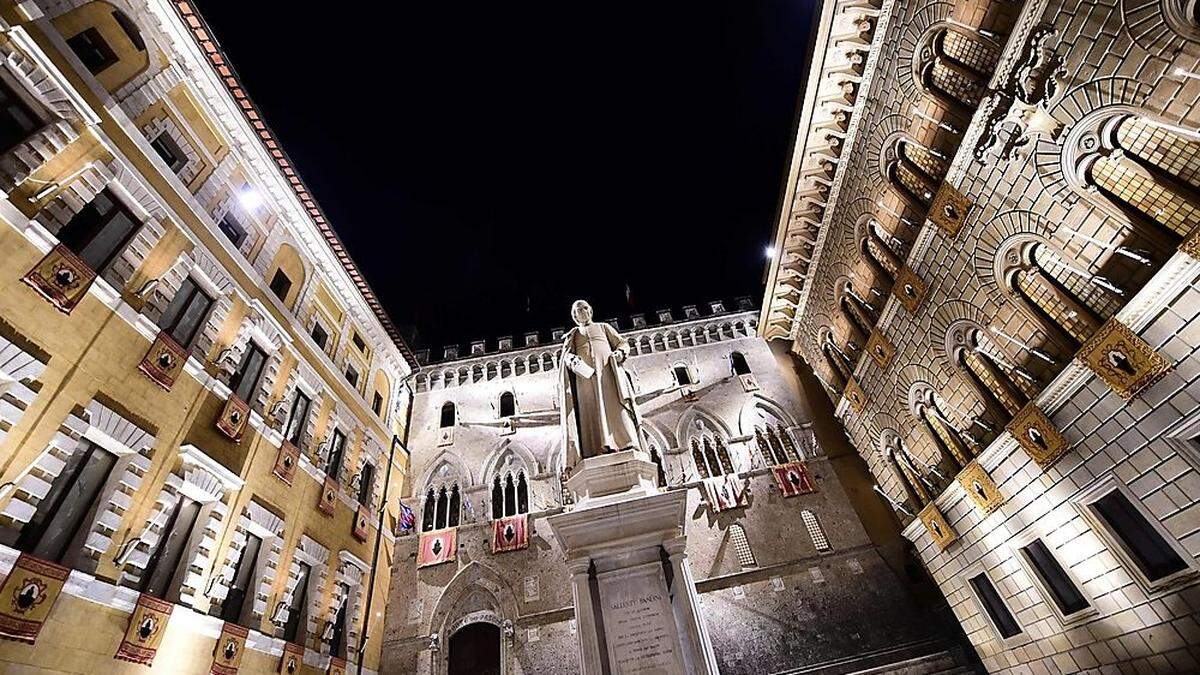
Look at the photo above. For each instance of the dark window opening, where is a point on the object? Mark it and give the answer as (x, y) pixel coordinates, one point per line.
(131, 30)
(1153, 554)
(337, 642)
(738, 361)
(428, 516)
(170, 152)
(60, 514)
(508, 404)
(245, 380)
(170, 554)
(281, 285)
(91, 48)
(995, 607)
(682, 376)
(658, 466)
(99, 231)
(296, 613)
(17, 120)
(366, 484)
(376, 403)
(455, 505)
(448, 414)
(358, 342)
(337, 449)
(186, 314)
(319, 336)
(298, 418)
(1056, 580)
(232, 228)
(351, 375)
(243, 581)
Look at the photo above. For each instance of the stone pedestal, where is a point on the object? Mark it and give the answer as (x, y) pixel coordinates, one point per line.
(636, 608)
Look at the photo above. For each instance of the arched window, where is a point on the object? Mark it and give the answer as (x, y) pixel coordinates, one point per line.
(915, 171)
(711, 456)
(442, 506)
(737, 361)
(860, 314)
(510, 493)
(428, 515)
(449, 414)
(683, 374)
(839, 361)
(954, 66)
(1055, 304)
(775, 445)
(912, 487)
(814, 531)
(881, 256)
(949, 441)
(998, 390)
(508, 404)
(741, 546)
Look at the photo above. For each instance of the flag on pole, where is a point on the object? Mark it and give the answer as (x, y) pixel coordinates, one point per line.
(408, 519)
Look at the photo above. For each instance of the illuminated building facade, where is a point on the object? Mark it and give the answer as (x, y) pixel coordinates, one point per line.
(198, 393)
(988, 253)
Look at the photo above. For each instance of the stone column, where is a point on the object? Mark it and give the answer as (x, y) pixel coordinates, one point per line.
(700, 652)
(585, 617)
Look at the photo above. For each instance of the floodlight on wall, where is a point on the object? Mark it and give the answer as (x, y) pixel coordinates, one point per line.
(249, 198)
(769, 252)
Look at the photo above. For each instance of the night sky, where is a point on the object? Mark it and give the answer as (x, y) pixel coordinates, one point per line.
(487, 165)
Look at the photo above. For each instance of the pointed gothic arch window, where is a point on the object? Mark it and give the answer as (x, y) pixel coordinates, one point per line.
(775, 444)
(510, 492)
(711, 456)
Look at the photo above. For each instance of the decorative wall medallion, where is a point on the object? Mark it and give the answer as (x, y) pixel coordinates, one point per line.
(980, 487)
(329, 496)
(286, 461)
(937, 525)
(227, 655)
(855, 396)
(362, 522)
(909, 289)
(950, 209)
(1123, 360)
(880, 349)
(164, 362)
(1037, 436)
(61, 277)
(445, 436)
(749, 382)
(234, 417)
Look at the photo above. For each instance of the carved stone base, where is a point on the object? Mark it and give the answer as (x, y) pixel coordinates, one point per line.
(617, 476)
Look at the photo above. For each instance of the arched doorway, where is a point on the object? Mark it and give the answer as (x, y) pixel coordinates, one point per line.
(475, 650)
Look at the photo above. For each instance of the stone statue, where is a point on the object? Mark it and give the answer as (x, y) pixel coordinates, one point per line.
(597, 413)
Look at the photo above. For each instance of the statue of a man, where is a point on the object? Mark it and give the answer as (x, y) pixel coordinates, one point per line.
(597, 410)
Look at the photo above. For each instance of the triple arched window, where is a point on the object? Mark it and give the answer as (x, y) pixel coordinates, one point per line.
(775, 444)
(1047, 284)
(954, 66)
(1005, 389)
(442, 506)
(711, 456)
(510, 494)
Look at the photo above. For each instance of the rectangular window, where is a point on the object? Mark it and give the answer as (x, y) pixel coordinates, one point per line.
(1054, 578)
(91, 48)
(245, 381)
(298, 417)
(244, 580)
(1142, 542)
(187, 312)
(232, 228)
(60, 514)
(682, 376)
(366, 483)
(170, 152)
(296, 608)
(281, 285)
(1005, 623)
(337, 643)
(376, 403)
(164, 566)
(351, 375)
(337, 450)
(359, 342)
(99, 231)
(319, 335)
(17, 120)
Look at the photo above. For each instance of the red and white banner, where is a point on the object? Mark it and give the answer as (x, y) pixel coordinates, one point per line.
(437, 547)
(510, 534)
(164, 362)
(793, 479)
(293, 657)
(145, 632)
(27, 596)
(61, 277)
(227, 655)
(725, 492)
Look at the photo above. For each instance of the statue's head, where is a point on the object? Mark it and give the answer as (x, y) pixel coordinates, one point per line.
(581, 312)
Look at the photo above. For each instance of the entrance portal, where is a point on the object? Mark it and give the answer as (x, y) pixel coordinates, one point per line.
(475, 650)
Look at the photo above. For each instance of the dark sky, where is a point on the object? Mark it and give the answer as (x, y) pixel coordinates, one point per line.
(486, 165)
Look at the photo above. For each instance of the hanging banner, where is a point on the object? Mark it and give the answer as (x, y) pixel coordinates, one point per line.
(286, 461)
(337, 666)
(233, 418)
(293, 657)
(793, 479)
(437, 547)
(227, 656)
(329, 496)
(362, 521)
(146, 627)
(61, 277)
(28, 595)
(164, 362)
(510, 534)
(725, 492)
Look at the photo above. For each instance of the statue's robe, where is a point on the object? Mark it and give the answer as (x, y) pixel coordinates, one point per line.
(598, 409)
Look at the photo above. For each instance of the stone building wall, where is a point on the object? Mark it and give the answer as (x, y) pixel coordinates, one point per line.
(794, 606)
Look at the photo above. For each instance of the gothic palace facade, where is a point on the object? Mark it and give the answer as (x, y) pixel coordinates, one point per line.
(975, 356)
